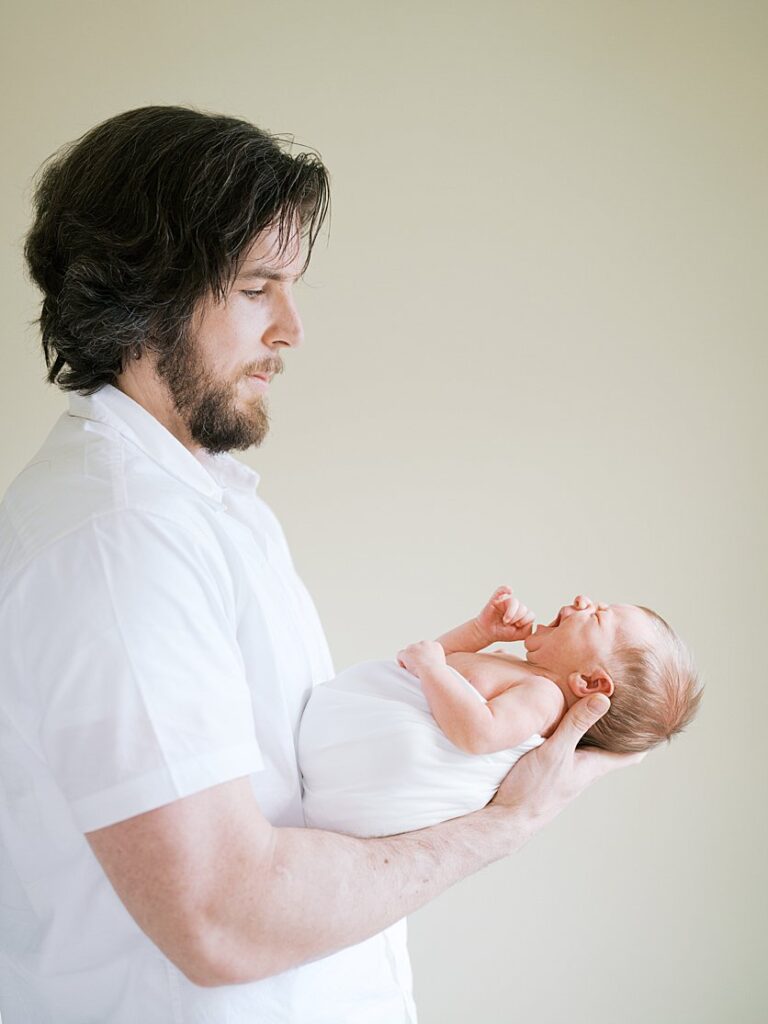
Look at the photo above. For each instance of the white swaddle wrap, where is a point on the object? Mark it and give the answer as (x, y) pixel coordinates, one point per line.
(375, 762)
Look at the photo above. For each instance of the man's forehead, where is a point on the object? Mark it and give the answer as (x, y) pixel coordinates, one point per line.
(264, 272)
(264, 258)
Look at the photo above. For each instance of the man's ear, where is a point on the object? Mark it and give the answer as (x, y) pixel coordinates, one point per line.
(582, 684)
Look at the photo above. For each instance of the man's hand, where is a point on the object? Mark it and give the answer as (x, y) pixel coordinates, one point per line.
(422, 655)
(505, 618)
(545, 780)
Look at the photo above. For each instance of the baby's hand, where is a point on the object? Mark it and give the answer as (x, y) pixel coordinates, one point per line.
(505, 618)
(423, 654)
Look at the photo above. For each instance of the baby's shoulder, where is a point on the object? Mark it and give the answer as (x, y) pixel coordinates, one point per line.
(543, 694)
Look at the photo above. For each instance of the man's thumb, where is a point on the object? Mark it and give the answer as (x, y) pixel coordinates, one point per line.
(584, 713)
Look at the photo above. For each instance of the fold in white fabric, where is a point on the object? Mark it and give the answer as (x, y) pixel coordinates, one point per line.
(374, 761)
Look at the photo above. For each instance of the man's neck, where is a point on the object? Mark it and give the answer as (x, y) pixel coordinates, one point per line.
(141, 384)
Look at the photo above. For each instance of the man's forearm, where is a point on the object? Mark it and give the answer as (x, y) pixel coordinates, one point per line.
(327, 890)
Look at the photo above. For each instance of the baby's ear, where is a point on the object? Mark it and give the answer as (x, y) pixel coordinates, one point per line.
(582, 684)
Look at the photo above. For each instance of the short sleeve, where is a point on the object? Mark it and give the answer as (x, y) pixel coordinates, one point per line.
(130, 650)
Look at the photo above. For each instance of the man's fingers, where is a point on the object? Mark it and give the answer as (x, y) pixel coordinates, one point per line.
(592, 763)
(580, 718)
(611, 759)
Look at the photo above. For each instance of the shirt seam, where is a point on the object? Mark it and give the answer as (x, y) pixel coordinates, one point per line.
(69, 533)
(80, 806)
(131, 510)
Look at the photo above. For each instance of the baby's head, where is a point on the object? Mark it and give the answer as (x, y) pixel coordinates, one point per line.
(628, 653)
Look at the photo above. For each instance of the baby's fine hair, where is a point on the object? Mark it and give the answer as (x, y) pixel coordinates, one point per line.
(656, 694)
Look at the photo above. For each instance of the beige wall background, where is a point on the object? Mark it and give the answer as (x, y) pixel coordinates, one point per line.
(535, 354)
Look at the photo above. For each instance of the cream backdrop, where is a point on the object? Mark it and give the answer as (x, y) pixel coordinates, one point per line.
(535, 354)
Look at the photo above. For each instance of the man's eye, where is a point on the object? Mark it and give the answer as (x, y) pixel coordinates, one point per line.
(250, 293)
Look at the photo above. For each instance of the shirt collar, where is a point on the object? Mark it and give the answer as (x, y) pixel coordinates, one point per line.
(208, 473)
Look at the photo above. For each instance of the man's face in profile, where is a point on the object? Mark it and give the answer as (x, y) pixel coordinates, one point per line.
(210, 376)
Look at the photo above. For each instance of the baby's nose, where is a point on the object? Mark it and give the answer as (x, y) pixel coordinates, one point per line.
(579, 604)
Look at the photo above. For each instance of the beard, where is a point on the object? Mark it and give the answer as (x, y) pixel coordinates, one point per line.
(208, 405)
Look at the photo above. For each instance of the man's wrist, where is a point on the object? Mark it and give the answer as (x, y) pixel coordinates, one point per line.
(512, 827)
(494, 832)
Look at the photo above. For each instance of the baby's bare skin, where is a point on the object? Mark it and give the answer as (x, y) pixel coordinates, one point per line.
(565, 662)
(491, 672)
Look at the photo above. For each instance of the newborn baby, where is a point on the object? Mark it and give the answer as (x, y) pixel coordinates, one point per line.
(389, 747)
(625, 651)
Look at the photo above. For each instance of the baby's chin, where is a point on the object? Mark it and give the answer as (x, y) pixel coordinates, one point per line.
(534, 641)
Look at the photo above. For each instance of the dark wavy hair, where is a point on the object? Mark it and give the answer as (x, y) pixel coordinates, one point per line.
(144, 215)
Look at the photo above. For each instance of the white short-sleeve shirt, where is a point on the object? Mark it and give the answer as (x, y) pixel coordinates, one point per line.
(155, 640)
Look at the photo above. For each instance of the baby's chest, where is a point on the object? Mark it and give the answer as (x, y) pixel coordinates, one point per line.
(490, 674)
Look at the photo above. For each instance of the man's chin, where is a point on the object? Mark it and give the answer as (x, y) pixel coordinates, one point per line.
(234, 440)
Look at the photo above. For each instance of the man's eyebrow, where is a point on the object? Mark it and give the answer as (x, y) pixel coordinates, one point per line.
(267, 274)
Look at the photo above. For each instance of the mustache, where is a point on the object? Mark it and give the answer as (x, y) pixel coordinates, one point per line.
(272, 365)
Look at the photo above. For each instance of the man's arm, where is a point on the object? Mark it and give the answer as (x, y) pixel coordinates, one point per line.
(229, 898)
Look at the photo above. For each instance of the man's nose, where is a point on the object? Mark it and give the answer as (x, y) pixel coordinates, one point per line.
(286, 328)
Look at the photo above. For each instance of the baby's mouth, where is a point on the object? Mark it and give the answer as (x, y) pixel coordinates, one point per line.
(552, 625)
(541, 631)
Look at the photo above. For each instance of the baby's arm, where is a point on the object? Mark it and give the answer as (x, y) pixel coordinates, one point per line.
(503, 619)
(533, 706)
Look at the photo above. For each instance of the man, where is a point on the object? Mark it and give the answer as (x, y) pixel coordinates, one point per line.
(158, 646)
